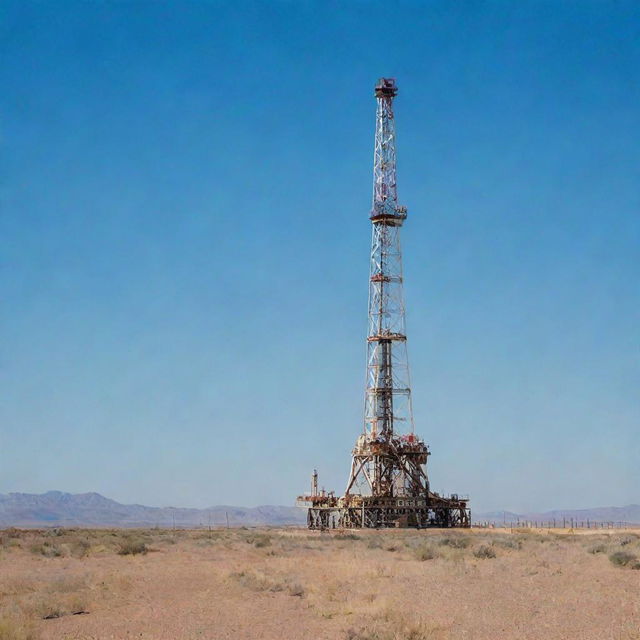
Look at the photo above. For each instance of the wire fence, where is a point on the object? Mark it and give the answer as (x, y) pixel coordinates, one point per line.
(557, 523)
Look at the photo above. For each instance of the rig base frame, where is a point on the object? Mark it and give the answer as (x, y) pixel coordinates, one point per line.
(384, 513)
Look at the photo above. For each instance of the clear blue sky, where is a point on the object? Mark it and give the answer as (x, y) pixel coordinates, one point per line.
(184, 237)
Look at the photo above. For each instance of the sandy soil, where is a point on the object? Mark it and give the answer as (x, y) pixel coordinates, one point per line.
(289, 584)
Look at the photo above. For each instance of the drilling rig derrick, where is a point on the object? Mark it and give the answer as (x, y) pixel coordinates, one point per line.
(388, 484)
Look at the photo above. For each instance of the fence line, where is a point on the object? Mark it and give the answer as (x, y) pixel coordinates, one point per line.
(557, 523)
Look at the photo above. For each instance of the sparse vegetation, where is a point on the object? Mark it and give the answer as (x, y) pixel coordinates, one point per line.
(80, 547)
(132, 547)
(346, 536)
(597, 548)
(49, 606)
(425, 552)
(456, 542)
(8, 541)
(17, 628)
(484, 552)
(622, 558)
(393, 625)
(351, 583)
(47, 549)
(259, 540)
(507, 542)
(259, 581)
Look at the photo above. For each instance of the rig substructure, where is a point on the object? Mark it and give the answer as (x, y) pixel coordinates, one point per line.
(388, 485)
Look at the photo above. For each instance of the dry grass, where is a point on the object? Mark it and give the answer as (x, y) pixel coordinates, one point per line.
(49, 606)
(484, 551)
(425, 552)
(17, 628)
(391, 624)
(624, 559)
(132, 547)
(259, 581)
(291, 583)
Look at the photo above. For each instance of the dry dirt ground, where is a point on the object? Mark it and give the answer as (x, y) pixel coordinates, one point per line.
(291, 583)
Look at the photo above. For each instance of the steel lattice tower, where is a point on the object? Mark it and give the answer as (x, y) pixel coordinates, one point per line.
(388, 483)
(388, 392)
(378, 465)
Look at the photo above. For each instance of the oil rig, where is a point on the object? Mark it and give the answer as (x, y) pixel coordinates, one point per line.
(388, 484)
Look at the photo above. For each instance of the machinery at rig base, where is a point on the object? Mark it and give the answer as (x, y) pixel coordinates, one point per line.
(388, 484)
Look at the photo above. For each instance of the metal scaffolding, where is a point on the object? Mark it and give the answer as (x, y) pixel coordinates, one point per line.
(388, 484)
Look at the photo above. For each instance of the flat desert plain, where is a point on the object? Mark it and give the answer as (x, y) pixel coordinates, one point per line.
(292, 583)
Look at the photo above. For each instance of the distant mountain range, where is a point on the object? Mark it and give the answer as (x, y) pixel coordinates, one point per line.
(56, 508)
(629, 514)
(59, 509)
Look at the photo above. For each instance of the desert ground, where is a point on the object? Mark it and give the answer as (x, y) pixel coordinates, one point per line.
(292, 583)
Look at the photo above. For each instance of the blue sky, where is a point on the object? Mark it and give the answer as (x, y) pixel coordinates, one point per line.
(184, 237)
